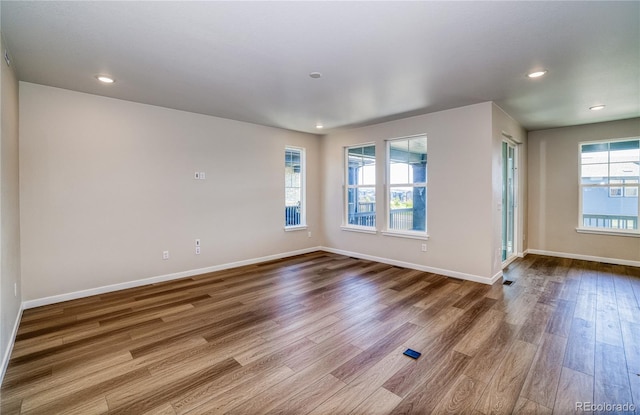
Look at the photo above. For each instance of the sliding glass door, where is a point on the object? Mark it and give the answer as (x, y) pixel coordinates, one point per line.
(509, 205)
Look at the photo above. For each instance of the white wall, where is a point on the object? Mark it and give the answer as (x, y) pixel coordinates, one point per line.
(553, 193)
(460, 196)
(10, 302)
(106, 185)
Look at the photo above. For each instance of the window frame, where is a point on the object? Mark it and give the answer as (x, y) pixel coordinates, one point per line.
(346, 187)
(303, 189)
(412, 234)
(624, 185)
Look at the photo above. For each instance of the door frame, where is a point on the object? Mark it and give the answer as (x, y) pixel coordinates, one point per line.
(510, 142)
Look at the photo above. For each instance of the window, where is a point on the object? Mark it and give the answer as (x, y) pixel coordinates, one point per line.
(609, 182)
(294, 187)
(407, 185)
(360, 190)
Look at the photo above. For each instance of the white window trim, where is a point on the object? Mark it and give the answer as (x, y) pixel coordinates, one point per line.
(360, 229)
(593, 230)
(346, 226)
(407, 234)
(387, 190)
(294, 228)
(600, 231)
(303, 191)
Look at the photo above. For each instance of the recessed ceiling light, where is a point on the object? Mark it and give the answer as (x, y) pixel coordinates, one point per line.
(597, 107)
(537, 74)
(105, 79)
(319, 126)
(315, 75)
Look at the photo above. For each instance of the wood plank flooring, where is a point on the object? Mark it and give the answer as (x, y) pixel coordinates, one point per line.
(324, 334)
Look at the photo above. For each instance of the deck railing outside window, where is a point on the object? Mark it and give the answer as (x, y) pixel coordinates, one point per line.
(610, 221)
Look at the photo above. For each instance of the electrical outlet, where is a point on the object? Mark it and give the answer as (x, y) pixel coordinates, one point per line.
(165, 255)
(309, 234)
(197, 250)
(423, 247)
(197, 242)
(203, 176)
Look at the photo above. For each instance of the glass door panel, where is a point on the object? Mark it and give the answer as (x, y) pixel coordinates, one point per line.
(508, 200)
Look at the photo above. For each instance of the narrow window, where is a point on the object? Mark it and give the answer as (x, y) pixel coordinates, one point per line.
(609, 183)
(294, 187)
(360, 197)
(407, 185)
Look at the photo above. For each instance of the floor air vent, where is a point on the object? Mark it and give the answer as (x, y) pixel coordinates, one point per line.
(507, 282)
(412, 353)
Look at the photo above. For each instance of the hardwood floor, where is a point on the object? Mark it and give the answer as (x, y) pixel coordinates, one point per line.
(324, 334)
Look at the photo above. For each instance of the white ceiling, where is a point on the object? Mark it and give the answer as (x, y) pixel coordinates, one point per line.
(250, 61)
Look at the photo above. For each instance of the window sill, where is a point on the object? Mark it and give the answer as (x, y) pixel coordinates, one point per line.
(612, 232)
(360, 229)
(295, 228)
(409, 235)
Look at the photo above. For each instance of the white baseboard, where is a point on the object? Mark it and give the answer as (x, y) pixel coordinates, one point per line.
(445, 272)
(184, 274)
(161, 278)
(585, 257)
(12, 340)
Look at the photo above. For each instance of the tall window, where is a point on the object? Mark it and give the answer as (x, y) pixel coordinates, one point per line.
(609, 184)
(294, 187)
(407, 184)
(360, 178)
